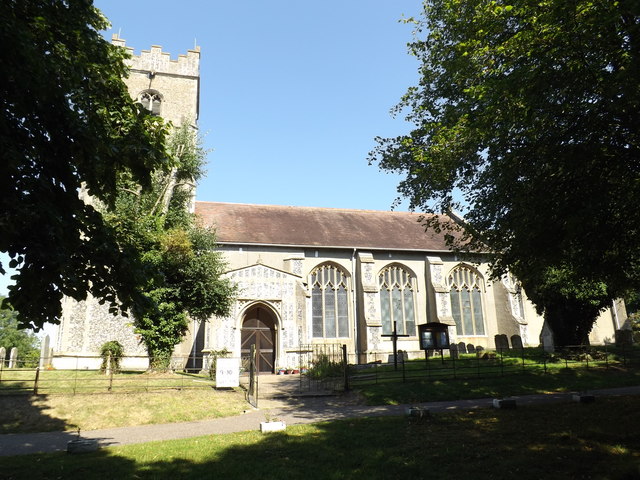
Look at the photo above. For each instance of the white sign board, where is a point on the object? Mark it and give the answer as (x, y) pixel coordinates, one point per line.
(227, 372)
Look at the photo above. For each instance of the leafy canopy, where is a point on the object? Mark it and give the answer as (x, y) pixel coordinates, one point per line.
(184, 268)
(66, 122)
(527, 120)
(11, 336)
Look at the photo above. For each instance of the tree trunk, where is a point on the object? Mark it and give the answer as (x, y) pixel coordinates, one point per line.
(570, 322)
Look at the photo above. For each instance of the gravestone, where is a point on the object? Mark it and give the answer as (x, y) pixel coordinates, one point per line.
(45, 358)
(462, 347)
(471, 348)
(546, 338)
(453, 351)
(13, 358)
(516, 342)
(502, 342)
(3, 356)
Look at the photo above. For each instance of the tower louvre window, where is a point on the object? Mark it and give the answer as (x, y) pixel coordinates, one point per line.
(152, 101)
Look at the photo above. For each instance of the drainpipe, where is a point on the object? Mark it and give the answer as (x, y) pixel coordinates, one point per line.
(355, 305)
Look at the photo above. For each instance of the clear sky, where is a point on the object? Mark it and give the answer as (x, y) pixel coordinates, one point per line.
(293, 92)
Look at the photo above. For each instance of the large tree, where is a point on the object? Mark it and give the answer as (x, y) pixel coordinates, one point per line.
(183, 267)
(67, 122)
(11, 336)
(527, 119)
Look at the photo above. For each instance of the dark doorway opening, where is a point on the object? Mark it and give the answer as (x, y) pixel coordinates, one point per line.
(259, 329)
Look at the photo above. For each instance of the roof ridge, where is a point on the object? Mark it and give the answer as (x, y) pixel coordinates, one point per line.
(359, 210)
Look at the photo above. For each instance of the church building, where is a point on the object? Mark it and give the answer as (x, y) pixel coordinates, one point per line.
(316, 276)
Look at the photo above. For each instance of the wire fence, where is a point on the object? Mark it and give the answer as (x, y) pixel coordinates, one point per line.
(441, 365)
(24, 378)
(322, 367)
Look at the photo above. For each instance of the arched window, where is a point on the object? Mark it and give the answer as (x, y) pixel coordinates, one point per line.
(152, 101)
(329, 302)
(397, 301)
(466, 300)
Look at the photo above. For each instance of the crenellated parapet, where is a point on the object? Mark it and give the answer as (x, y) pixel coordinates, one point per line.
(157, 61)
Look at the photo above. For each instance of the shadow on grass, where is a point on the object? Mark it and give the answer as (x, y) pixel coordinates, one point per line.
(27, 413)
(598, 440)
(561, 380)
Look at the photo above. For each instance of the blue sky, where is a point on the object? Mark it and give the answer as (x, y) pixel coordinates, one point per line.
(293, 92)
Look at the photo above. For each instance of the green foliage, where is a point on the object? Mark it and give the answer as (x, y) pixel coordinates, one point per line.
(67, 124)
(634, 320)
(570, 304)
(11, 335)
(324, 367)
(214, 355)
(178, 255)
(527, 120)
(111, 353)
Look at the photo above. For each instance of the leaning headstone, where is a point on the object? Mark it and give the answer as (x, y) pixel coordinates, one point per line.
(462, 347)
(3, 356)
(273, 426)
(502, 342)
(584, 398)
(516, 342)
(44, 352)
(13, 358)
(504, 403)
(82, 445)
(453, 350)
(416, 412)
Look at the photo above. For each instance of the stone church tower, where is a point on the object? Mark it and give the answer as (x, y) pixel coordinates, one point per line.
(171, 89)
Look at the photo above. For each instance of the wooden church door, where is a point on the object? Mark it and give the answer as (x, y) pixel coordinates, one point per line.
(258, 328)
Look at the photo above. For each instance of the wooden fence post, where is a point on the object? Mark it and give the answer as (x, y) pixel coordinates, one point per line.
(345, 361)
(35, 382)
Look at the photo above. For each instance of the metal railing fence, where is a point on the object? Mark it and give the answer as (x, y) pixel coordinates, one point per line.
(487, 363)
(26, 379)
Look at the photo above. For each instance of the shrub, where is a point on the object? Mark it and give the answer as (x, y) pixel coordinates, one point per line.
(215, 354)
(324, 367)
(111, 352)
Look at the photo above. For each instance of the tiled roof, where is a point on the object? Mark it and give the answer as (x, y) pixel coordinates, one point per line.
(317, 227)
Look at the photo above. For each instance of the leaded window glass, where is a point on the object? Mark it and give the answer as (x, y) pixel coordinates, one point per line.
(329, 302)
(397, 300)
(466, 301)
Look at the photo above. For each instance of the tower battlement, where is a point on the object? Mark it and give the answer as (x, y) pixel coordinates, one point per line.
(157, 61)
(169, 88)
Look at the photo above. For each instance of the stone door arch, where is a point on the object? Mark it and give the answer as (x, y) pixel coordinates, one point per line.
(259, 329)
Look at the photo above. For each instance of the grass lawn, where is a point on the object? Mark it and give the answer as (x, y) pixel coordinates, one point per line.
(559, 441)
(40, 413)
(24, 413)
(555, 380)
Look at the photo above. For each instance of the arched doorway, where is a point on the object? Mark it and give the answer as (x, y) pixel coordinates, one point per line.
(259, 329)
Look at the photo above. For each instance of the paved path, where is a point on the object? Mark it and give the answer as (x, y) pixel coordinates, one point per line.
(292, 410)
